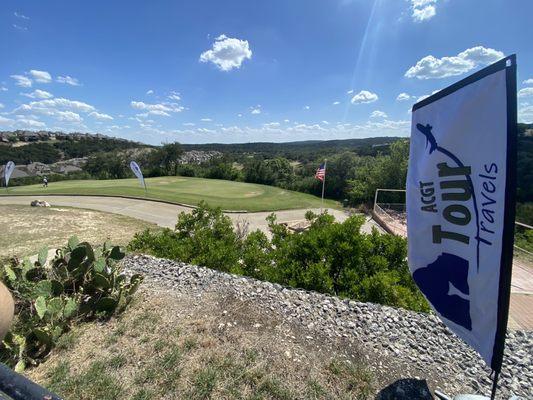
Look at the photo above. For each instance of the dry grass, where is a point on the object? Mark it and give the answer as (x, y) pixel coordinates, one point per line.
(26, 229)
(171, 346)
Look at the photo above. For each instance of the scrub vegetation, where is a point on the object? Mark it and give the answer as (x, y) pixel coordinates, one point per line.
(329, 257)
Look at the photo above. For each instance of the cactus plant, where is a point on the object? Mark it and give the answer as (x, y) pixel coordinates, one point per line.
(78, 283)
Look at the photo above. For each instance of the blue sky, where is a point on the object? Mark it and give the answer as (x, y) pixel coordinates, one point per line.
(243, 71)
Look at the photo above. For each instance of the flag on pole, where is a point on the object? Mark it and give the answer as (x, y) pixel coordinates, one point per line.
(321, 172)
(138, 173)
(8, 170)
(461, 189)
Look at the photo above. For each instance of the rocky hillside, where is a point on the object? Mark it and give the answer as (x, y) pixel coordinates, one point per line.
(396, 344)
(18, 136)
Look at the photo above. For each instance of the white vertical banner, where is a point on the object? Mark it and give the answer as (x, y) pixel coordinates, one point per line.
(8, 170)
(138, 173)
(461, 189)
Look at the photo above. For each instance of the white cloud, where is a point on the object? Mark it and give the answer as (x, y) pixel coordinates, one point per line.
(307, 107)
(336, 103)
(20, 15)
(21, 80)
(140, 105)
(526, 92)
(149, 92)
(174, 96)
(20, 28)
(3, 89)
(206, 120)
(403, 97)
(30, 123)
(423, 9)
(525, 114)
(378, 114)
(325, 122)
(61, 102)
(431, 67)
(349, 91)
(528, 82)
(161, 109)
(5, 121)
(69, 80)
(189, 124)
(38, 94)
(274, 133)
(422, 14)
(41, 76)
(255, 110)
(227, 53)
(159, 112)
(100, 116)
(363, 97)
(1, 105)
(60, 108)
(68, 116)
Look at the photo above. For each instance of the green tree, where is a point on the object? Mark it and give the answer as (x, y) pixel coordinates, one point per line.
(107, 166)
(385, 171)
(167, 157)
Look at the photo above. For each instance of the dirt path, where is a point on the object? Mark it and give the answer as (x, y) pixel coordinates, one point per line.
(164, 214)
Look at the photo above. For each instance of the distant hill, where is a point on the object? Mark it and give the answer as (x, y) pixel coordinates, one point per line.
(297, 149)
(25, 147)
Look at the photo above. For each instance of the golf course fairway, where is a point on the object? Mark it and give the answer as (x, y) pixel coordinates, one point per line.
(228, 195)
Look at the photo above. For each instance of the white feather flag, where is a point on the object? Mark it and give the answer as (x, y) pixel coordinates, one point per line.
(138, 173)
(8, 170)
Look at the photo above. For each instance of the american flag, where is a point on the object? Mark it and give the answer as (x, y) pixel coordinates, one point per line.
(321, 172)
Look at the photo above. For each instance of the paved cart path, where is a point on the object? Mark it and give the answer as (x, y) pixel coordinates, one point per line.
(165, 214)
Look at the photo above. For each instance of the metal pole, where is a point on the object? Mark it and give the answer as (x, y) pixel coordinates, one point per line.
(494, 385)
(323, 186)
(18, 387)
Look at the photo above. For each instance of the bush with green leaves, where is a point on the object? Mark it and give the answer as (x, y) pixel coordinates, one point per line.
(329, 257)
(79, 283)
(203, 237)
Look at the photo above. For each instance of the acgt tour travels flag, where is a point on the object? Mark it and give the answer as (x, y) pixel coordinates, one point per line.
(8, 170)
(138, 173)
(461, 189)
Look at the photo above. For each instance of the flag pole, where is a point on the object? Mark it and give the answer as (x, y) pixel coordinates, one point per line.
(494, 385)
(323, 186)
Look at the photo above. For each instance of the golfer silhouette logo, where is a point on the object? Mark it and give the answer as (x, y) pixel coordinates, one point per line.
(445, 284)
(444, 281)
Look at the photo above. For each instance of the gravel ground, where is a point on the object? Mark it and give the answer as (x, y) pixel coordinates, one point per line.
(397, 343)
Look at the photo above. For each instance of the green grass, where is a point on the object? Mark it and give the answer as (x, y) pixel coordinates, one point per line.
(218, 193)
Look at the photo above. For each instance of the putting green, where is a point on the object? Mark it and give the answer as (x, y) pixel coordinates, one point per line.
(225, 194)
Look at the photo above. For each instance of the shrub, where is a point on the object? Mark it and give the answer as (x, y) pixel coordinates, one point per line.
(79, 283)
(329, 257)
(204, 237)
